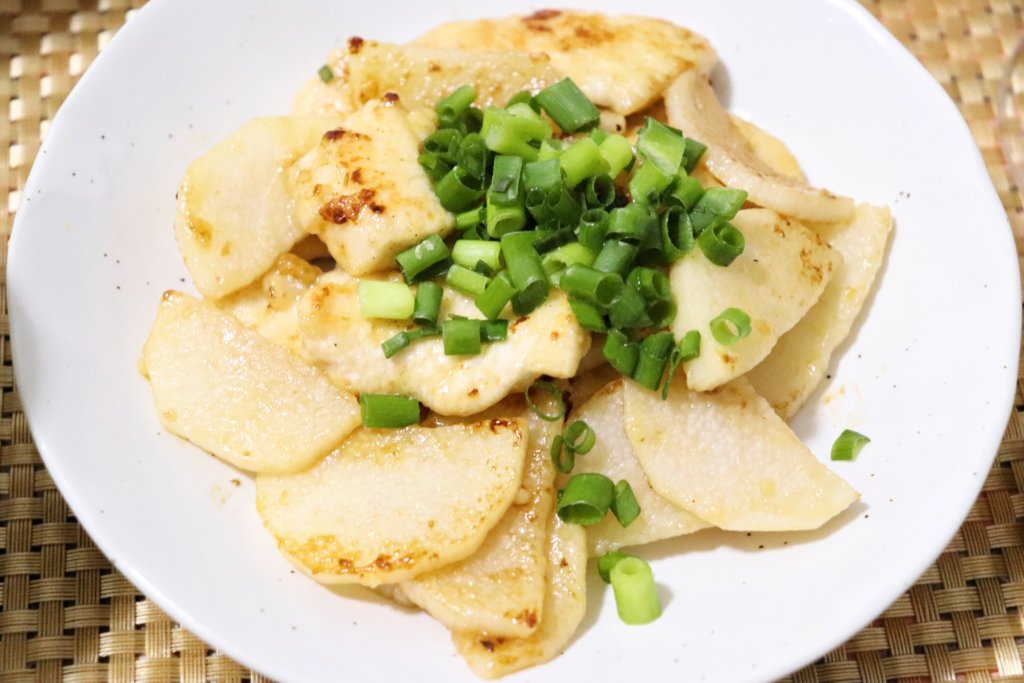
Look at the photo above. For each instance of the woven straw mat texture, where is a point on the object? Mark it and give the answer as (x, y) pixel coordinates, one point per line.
(67, 614)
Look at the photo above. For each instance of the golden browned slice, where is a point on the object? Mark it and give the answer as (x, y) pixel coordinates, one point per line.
(565, 603)
(268, 305)
(548, 341)
(800, 359)
(234, 212)
(768, 148)
(500, 588)
(390, 504)
(363, 192)
(693, 107)
(613, 457)
(233, 393)
(728, 458)
(620, 62)
(781, 273)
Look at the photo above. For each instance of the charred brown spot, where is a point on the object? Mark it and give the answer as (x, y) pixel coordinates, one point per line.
(554, 335)
(564, 563)
(357, 175)
(528, 617)
(225, 250)
(779, 231)
(390, 97)
(199, 230)
(431, 523)
(497, 423)
(542, 15)
(517, 322)
(347, 207)
(434, 67)
(346, 564)
(474, 392)
(811, 270)
(490, 644)
(355, 44)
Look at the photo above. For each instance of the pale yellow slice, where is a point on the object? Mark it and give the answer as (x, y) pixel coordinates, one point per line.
(548, 341)
(565, 603)
(620, 62)
(781, 273)
(768, 148)
(613, 457)
(390, 504)
(800, 359)
(363, 192)
(726, 457)
(693, 107)
(234, 212)
(500, 588)
(233, 393)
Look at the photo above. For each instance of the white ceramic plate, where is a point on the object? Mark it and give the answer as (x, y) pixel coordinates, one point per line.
(929, 375)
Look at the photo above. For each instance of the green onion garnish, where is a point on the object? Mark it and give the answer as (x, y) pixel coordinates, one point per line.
(599, 191)
(557, 261)
(586, 499)
(469, 282)
(469, 219)
(636, 596)
(580, 437)
(506, 133)
(730, 326)
(685, 191)
(455, 105)
(625, 507)
(326, 74)
(526, 271)
(542, 175)
(461, 337)
(648, 183)
(654, 353)
(505, 187)
(621, 352)
(504, 219)
(581, 161)
(458, 190)
(383, 299)
(592, 228)
(428, 303)
(567, 106)
(590, 285)
(562, 456)
(496, 295)
(848, 445)
(687, 350)
(424, 260)
(721, 243)
(694, 151)
(629, 310)
(588, 316)
(676, 233)
(607, 561)
(662, 146)
(493, 330)
(469, 253)
(715, 205)
(615, 257)
(384, 411)
(554, 398)
(403, 339)
(617, 151)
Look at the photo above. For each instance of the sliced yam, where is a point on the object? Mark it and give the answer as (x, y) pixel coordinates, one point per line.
(619, 62)
(613, 457)
(233, 393)
(729, 459)
(363, 192)
(797, 364)
(565, 603)
(768, 148)
(234, 212)
(316, 98)
(588, 382)
(781, 273)
(693, 107)
(499, 589)
(268, 305)
(548, 341)
(389, 504)
(421, 75)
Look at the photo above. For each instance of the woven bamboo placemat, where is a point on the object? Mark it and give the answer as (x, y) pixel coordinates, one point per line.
(67, 614)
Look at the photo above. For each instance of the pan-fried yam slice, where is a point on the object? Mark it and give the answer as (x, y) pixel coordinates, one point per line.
(588, 382)
(363, 192)
(549, 341)
(620, 62)
(268, 304)
(800, 359)
(768, 148)
(693, 107)
(778, 277)
(421, 75)
(491, 656)
(389, 504)
(235, 394)
(613, 457)
(234, 213)
(500, 588)
(728, 458)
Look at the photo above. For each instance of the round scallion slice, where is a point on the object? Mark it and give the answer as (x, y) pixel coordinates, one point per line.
(848, 445)
(555, 400)
(730, 326)
(580, 437)
(586, 499)
(636, 596)
(721, 243)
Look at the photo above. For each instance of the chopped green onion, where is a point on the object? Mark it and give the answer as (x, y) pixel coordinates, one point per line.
(505, 180)
(599, 191)
(551, 237)
(636, 596)
(385, 411)
(581, 161)
(496, 295)
(562, 457)
(598, 135)
(685, 191)
(621, 352)
(661, 145)
(394, 344)
(694, 151)
(523, 109)
(524, 96)
(715, 205)
(428, 303)
(506, 133)
(444, 142)
(617, 151)
(730, 326)
(625, 506)
(469, 282)
(461, 337)
(468, 253)
(455, 105)
(493, 330)
(588, 316)
(632, 223)
(424, 260)
(580, 437)
(648, 182)
(471, 156)
(537, 205)
(469, 219)
(563, 205)
(554, 397)
(593, 286)
(434, 166)
(676, 233)
(687, 350)
(652, 284)
(555, 262)
(551, 148)
(526, 271)
(615, 257)
(848, 445)
(629, 310)
(586, 499)
(458, 190)
(592, 228)
(607, 561)
(504, 219)
(383, 299)
(654, 353)
(721, 243)
(543, 175)
(567, 106)
(326, 74)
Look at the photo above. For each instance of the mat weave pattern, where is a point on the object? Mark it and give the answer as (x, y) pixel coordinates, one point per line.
(67, 615)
